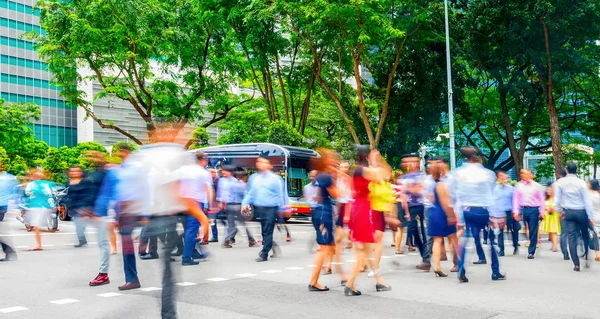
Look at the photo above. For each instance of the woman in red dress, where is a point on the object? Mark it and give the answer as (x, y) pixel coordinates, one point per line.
(361, 223)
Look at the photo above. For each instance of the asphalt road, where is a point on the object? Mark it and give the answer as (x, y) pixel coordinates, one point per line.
(54, 284)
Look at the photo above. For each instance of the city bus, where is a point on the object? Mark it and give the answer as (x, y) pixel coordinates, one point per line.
(292, 163)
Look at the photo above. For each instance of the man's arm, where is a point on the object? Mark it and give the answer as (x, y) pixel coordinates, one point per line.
(249, 196)
(558, 196)
(517, 202)
(587, 200)
(542, 200)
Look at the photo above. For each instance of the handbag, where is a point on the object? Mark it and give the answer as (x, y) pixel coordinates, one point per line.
(594, 245)
(497, 222)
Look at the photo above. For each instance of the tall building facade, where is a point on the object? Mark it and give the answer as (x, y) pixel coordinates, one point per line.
(24, 78)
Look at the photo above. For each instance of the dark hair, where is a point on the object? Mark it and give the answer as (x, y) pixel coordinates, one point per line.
(562, 172)
(75, 166)
(410, 155)
(572, 168)
(548, 196)
(362, 154)
(471, 153)
(229, 168)
(241, 173)
(200, 156)
(498, 172)
(595, 185)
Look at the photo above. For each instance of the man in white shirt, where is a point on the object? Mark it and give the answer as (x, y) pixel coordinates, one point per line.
(311, 191)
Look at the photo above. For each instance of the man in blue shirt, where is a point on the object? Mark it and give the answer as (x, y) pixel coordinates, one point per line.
(474, 193)
(503, 196)
(7, 185)
(266, 193)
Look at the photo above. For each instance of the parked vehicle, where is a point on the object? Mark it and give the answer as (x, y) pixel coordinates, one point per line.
(62, 205)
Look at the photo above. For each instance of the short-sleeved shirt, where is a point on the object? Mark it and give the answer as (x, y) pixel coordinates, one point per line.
(40, 194)
(324, 181)
(194, 182)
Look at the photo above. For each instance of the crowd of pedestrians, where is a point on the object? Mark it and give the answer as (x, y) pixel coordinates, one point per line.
(162, 186)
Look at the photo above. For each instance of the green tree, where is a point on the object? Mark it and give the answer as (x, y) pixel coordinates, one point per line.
(15, 125)
(245, 125)
(200, 138)
(282, 133)
(161, 57)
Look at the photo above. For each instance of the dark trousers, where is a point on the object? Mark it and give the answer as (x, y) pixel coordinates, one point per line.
(127, 223)
(149, 244)
(476, 218)
(531, 217)
(513, 227)
(235, 218)
(190, 237)
(268, 217)
(577, 227)
(564, 235)
(475, 231)
(427, 249)
(5, 247)
(414, 227)
(166, 226)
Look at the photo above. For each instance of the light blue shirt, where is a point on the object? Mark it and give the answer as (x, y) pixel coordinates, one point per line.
(121, 184)
(473, 186)
(573, 193)
(8, 182)
(503, 200)
(230, 190)
(310, 193)
(266, 190)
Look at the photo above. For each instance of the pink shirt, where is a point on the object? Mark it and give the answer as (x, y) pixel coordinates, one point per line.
(529, 194)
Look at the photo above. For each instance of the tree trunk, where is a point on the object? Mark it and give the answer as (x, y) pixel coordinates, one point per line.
(361, 102)
(285, 102)
(510, 137)
(554, 125)
(306, 106)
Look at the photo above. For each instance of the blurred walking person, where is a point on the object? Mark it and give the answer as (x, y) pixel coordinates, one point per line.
(442, 219)
(564, 246)
(323, 176)
(196, 186)
(267, 194)
(382, 197)
(503, 204)
(8, 183)
(361, 225)
(473, 188)
(529, 199)
(343, 183)
(551, 223)
(230, 195)
(41, 203)
(594, 186)
(574, 204)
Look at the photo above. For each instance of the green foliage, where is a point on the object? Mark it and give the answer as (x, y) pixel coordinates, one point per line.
(200, 138)
(245, 125)
(282, 133)
(15, 125)
(117, 146)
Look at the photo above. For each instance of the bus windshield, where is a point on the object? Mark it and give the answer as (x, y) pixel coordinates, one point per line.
(297, 176)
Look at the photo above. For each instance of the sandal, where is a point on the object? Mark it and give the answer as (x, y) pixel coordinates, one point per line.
(35, 249)
(400, 252)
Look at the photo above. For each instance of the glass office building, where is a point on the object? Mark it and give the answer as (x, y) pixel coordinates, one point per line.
(24, 78)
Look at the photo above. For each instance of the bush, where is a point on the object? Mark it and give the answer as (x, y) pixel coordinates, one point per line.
(282, 133)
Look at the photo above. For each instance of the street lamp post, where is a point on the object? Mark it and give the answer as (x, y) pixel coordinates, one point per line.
(450, 105)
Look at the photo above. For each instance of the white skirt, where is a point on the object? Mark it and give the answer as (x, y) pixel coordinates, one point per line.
(38, 217)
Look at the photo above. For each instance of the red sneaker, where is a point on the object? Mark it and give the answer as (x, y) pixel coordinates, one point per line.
(101, 279)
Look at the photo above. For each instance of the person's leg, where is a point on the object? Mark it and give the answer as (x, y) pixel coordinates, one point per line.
(399, 239)
(583, 229)
(214, 229)
(501, 241)
(126, 226)
(532, 216)
(191, 233)
(337, 254)
(359, 253)
(468, 232)
(153, 244)
(564, 235)
(453, 240)
(143, 244)
(268, 219)
(554, 240)
(475, 231)
(38, 238)
(493, 253)
(103, 243)
(436, 249)
(232, 212)
(426, 256)
(486, 234)
(322, 252)
(573, 233)
(112, 237)
(168, 226)
(377, 250)
(80, 224)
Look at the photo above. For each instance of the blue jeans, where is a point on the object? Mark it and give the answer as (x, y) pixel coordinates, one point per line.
(531, 217)
(476, 218)
(268, 216)
(191, 234)
(80, 226)
(478, 247)
(127, 223)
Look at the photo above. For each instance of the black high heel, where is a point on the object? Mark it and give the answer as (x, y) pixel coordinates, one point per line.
(380, 287)
(439, 273)
(351, 292)
(315, 288)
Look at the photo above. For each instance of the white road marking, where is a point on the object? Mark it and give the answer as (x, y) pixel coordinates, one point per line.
(294, 268)
(21, 246)
(351, 260)
(13, 309)
(92, 243)
(217, 279)
(245, 275)
(273, 271)
(186, 283)
(385, 257)
(337, 263)
(150, 289)
(400, 255)
(48, 245)
(64, 301)
(311, 266)
(109, 294)
(45, 234)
